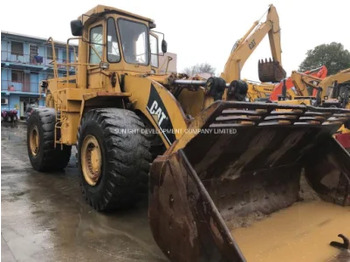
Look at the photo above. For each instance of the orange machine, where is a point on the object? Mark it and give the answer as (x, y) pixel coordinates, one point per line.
(320, 72)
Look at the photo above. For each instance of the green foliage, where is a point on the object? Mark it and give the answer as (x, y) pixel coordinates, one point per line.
(332, 55)
(199, 68)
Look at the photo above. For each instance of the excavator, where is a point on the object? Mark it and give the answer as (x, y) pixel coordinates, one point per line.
(314, 88)
(236, 181)
(296, 84)
(337, 88)
(269, 70)
(312, 84)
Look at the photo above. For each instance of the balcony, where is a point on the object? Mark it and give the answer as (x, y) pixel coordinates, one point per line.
(24, 86)
(30, 60)
(7, 56)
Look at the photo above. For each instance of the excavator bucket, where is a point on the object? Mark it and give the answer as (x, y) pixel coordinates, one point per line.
(270, 71)
(246, 161)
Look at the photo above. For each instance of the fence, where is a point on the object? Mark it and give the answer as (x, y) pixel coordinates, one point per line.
(31, 59)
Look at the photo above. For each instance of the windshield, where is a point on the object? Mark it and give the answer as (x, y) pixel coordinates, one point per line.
(134, 40)
(113, 54)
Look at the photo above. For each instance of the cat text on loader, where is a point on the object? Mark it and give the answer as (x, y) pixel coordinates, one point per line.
(222, 168)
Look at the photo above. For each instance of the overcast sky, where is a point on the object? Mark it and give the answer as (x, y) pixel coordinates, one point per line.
(199, 31)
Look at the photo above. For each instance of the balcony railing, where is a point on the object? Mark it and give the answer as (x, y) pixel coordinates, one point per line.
(30, 59)
(24, 86)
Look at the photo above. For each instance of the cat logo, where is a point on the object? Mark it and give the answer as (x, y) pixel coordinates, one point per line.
(159, 114)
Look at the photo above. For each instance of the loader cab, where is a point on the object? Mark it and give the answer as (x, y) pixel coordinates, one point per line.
(113, 40)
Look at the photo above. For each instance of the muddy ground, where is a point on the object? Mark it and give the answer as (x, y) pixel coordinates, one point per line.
(44, 217)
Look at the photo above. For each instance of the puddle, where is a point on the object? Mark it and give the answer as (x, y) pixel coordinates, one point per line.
(45, 218)
(301, 232)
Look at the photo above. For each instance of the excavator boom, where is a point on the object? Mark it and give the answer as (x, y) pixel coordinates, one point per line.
(269, 71)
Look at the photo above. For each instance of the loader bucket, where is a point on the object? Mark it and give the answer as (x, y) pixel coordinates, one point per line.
(246, 163)
(270, 71)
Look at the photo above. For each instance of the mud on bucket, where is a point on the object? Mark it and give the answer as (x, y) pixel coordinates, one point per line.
(209, 183)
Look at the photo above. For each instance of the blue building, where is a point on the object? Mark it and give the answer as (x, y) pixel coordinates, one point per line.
(25, 61)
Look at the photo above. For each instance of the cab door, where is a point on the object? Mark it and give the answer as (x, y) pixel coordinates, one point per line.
(96, 55)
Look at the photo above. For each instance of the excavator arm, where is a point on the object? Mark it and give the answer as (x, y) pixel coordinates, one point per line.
(339, 78)
(309, 85)
(305, 84)
(248, 43)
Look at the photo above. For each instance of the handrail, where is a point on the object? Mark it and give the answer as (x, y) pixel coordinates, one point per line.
(54, 61)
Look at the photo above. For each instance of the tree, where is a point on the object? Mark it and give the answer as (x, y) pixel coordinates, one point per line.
(332, 55)
(199, 68)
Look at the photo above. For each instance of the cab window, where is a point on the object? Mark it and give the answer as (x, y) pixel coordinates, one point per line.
(113, 53)
(154, 50)
(134, 41)
(96, 44)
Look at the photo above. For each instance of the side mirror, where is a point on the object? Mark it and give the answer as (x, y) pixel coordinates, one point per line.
(76, 27)
(164, 46)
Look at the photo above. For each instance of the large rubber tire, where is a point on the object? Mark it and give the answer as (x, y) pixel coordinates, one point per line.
(47, 157)
(125, 158)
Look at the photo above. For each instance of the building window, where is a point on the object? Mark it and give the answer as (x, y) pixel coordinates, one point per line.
(4, 101)
(50, 53)
(72, 55)
(64, 56)
(49, 76)
(17, 76)
(33, 52)
(17, 48)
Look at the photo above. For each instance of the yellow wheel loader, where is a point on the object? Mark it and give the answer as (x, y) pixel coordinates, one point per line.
(227, 179)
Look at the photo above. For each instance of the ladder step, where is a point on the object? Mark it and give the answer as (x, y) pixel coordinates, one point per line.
(58, 125)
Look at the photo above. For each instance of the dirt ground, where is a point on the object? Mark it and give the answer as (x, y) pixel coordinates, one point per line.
(44, 217)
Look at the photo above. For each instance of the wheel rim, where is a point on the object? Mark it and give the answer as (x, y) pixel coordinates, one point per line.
(34, 141)
(91, 160)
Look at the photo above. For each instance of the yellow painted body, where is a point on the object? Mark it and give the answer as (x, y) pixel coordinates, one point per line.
(92, 86)
(133, 87)
(259, 90)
